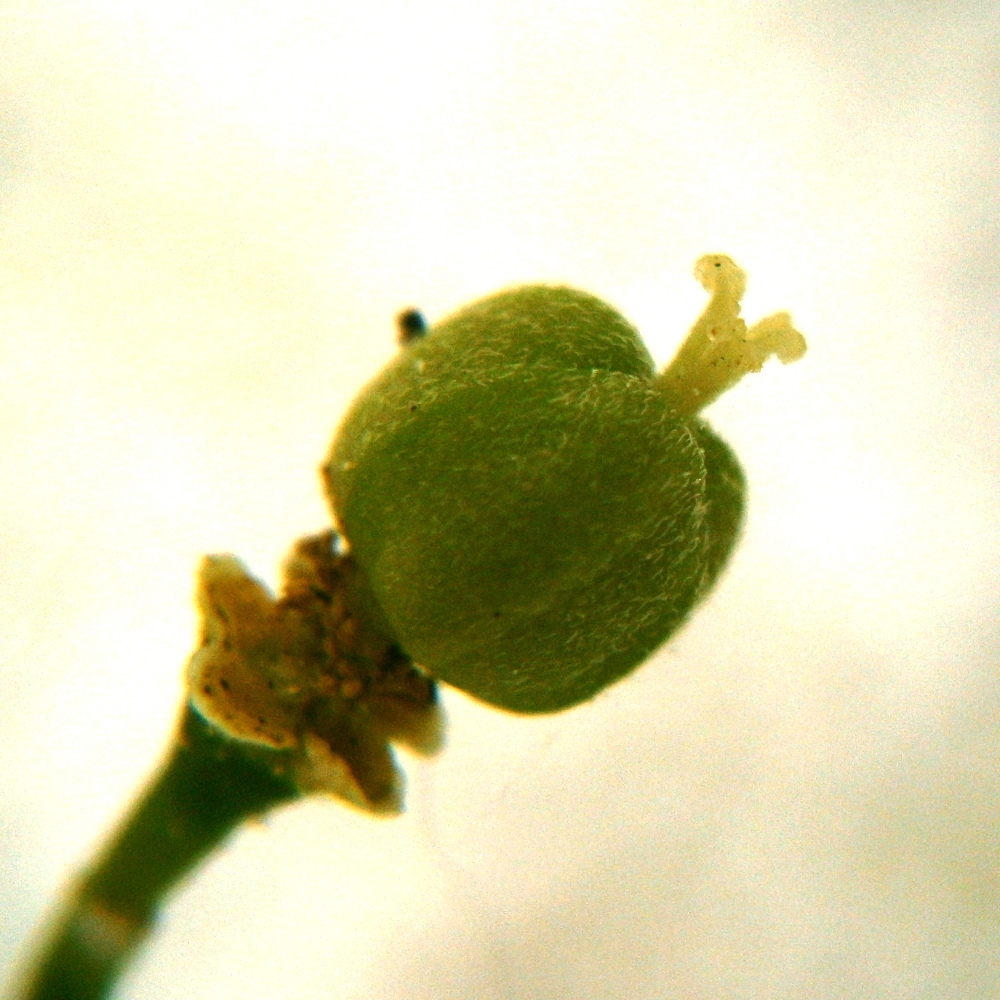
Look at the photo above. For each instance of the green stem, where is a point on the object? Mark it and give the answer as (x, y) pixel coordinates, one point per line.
(208, 786)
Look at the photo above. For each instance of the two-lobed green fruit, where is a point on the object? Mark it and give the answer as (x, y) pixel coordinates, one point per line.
(533, 509)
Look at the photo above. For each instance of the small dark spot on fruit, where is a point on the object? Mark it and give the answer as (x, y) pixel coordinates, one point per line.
(225, 684)
(410, 326)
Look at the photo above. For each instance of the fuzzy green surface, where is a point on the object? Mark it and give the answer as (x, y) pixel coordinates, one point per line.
(532, 520)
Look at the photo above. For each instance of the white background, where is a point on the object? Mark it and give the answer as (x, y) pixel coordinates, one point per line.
(209, 214)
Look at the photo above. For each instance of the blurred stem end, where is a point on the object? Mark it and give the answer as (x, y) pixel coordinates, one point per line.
(209, 784)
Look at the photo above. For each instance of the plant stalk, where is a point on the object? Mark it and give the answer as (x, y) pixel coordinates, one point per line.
(209, 784)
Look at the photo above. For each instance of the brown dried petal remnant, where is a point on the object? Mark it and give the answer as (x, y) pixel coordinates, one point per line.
(311, 674)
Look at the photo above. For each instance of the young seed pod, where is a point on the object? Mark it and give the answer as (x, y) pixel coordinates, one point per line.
(535, 509)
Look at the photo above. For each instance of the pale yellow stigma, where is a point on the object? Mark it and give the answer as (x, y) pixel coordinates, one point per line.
(720, 349)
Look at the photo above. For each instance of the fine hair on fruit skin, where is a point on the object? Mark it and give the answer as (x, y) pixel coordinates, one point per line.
(537, 509)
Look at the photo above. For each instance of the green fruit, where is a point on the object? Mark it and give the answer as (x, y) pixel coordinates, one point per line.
(534, 508)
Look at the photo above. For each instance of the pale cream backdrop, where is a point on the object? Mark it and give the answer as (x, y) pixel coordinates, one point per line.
(209, 214)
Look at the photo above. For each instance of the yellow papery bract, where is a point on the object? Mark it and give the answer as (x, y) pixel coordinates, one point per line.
(308, 675)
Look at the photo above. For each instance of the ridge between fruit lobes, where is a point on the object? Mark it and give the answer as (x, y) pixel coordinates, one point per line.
(535, 508)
